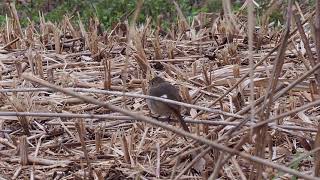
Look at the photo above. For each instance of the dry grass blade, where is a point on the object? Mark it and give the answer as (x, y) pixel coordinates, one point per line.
(268, 101)
(304, 39)
(317, 156)
(107, 74)
(98, 137)
(125, 149)
(251, 23)
(14, 14)
(158, 160)
(271, 88)
(136, 38)
(184, 24)
(81, 132)
(23, 149)
(317, 29)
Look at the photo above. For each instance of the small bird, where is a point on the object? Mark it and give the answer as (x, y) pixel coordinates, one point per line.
(160, 88)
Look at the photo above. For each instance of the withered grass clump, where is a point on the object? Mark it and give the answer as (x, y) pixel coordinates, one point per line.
(72, 98)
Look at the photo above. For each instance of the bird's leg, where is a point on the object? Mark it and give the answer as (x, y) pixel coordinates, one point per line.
(171, 119)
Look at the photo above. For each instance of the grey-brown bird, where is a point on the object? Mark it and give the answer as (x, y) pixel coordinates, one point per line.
(160, 88)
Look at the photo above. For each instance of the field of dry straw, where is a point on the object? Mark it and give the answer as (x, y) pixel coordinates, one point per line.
(72, 97)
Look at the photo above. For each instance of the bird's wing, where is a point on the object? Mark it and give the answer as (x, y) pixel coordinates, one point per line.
(171, 92)
(166, 90)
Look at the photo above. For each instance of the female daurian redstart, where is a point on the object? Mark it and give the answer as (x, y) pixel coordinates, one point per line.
(160, 88)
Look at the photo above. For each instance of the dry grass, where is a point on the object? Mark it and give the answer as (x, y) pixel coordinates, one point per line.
(72, 99)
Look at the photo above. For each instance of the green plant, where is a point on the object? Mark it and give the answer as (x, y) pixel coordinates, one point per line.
(276, 16)
(2, 19)
(108, 11)
(214, 5)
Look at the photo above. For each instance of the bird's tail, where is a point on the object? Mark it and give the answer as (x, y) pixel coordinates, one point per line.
(183, 124)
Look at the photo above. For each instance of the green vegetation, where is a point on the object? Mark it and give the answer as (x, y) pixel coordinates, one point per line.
(276, 16)
(2, 19)
(108, 11)
(112, 11)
